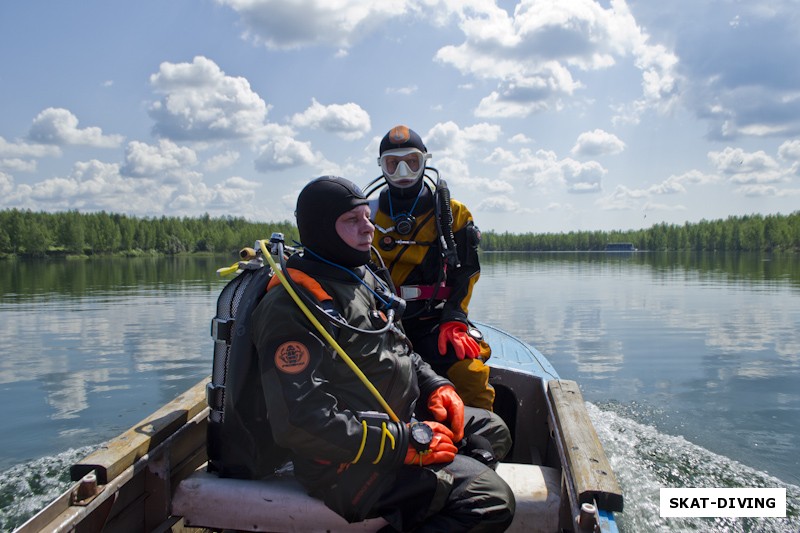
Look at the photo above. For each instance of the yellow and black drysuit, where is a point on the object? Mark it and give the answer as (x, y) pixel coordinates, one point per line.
(345, 450)
(436, 292)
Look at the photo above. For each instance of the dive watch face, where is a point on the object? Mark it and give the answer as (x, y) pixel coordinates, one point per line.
(475, 333)
(421, 436)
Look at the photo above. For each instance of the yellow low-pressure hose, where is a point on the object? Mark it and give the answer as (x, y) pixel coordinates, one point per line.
(226, 271)
(306, 311)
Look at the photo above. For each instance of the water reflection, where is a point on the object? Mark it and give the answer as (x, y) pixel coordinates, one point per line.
(760, 268)
(25, 279)
(90, 347)
(707, 344)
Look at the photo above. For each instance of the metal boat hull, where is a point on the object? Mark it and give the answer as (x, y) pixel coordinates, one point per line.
(152, 478)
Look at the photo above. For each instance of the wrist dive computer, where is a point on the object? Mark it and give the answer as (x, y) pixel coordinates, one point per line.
(421, 436)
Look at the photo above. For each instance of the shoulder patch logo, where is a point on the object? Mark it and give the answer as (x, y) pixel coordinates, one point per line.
(292, 357)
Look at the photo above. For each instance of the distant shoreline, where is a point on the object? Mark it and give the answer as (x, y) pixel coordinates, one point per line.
(74, 235)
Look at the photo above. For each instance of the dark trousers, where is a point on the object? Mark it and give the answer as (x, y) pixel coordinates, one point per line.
(463, 495)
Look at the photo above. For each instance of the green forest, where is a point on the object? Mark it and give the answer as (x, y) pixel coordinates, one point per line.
(30, 233)
(71, 233)
(753, 233)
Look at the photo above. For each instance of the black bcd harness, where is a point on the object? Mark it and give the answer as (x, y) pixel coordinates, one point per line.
(239, 422)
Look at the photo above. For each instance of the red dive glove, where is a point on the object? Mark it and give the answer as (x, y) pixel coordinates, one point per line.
(447, 407)
(456, 334)
(442, 449)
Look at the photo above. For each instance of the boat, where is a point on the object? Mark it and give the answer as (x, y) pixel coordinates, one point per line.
(155, 475)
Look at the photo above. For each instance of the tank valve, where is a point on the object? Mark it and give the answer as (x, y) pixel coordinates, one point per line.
(247, 253)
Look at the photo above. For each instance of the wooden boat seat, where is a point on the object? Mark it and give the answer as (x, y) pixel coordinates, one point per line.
(281, 504)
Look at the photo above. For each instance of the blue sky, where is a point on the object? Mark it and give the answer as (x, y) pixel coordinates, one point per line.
(542, 115)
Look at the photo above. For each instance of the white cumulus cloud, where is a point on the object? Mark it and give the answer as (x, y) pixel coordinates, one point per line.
(6, 183)
(543, 169)
(21, 149)
(737, 161)
(597, 142)
(60, 127)
(622, 199)
(790, 150)
(348, 121)
(280, 24)
(145, 160)
(284, 152)
(16, 164)
(222, 160)
(448, 138)
(536, 53)
(498, 204)
(201, 103)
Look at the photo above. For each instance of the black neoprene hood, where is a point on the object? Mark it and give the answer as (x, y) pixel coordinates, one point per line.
(319, 204)
(401, 137)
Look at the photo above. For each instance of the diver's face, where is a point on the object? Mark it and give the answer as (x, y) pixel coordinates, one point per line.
(355, 228)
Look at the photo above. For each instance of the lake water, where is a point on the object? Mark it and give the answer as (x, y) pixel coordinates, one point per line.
(690, 363)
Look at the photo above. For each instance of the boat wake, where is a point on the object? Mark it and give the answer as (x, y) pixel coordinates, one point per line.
(28, 487)
(645, 460)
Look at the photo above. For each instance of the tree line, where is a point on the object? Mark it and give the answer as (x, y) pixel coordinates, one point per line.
(28, 233)
(736, 233)
(31, 233)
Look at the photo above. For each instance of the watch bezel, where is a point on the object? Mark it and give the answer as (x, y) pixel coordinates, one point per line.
(421, 443)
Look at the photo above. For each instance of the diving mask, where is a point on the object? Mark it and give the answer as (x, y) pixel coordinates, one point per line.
(404, 166)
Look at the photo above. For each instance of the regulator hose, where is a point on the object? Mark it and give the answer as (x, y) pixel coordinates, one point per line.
(445, 214)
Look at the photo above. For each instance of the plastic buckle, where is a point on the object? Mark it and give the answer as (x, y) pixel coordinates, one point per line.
(215, 396)
(221, 329)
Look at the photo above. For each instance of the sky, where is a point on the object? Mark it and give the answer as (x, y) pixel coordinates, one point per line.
(541, 115)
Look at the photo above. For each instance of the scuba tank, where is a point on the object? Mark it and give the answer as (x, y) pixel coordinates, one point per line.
(238, 422)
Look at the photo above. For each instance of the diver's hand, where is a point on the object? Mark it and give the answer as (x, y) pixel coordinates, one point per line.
(447, 407)
(456, 334)
(442, 449)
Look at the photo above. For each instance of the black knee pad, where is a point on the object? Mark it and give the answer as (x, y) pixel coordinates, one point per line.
(479, 448)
